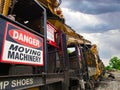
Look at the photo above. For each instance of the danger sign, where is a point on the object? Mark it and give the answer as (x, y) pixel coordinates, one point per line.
(21, 46)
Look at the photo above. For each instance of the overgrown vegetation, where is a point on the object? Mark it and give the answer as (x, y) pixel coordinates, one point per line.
(114, 63)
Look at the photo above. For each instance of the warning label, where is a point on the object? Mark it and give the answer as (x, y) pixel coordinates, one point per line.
(21, 46)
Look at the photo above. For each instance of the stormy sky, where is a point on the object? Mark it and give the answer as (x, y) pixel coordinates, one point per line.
(98, 21)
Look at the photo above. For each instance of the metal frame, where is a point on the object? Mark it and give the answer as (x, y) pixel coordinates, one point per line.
(44, 36)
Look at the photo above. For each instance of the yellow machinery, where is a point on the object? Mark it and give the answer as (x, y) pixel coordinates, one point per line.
(95, 54)
(4, 6)
(52, 5)
(72, 37)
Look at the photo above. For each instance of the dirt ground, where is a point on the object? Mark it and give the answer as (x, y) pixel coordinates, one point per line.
(110, 84)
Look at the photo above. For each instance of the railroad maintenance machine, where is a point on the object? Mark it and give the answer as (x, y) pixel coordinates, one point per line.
(38, 51)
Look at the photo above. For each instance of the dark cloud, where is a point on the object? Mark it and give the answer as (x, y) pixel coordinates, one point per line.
(112, 19)
(106, 10)
(86, 23)
(93, 6)
(98, 21)
(94, 29)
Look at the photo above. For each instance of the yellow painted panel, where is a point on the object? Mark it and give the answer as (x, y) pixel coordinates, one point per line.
(35, 88)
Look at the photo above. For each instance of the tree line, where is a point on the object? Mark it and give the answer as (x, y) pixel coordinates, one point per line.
(114, 63)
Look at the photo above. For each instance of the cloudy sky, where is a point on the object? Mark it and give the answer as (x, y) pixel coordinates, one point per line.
(98, 21)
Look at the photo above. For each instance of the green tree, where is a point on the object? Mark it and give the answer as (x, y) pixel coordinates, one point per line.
(108, 67)
(115, 63)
